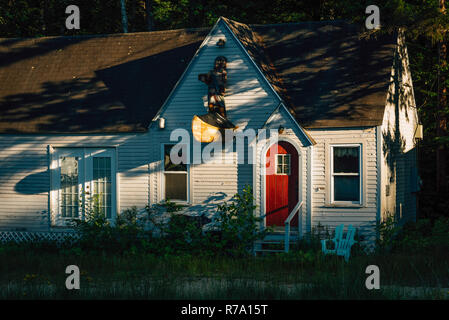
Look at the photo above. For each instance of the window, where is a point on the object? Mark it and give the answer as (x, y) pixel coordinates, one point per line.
(175, 173)
(102, 184)
(283, 164)
(69, 187)
(80, 175)
(346, 174)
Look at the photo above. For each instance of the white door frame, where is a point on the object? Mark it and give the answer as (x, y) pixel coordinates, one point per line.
(263, 155)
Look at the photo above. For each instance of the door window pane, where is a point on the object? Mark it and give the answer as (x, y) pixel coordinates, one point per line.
(69, 187)
(102, 185)
(283, 164)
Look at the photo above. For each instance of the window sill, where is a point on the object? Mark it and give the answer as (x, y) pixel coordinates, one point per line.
(183, 205)
(59, 227)
(180, 202)
(341, 205)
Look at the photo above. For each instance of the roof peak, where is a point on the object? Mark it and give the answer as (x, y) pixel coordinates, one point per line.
(225, 19)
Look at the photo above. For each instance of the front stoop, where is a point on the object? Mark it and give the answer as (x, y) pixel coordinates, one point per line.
(274, 242)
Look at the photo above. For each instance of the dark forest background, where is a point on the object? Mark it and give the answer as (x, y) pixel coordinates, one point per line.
(425, 22)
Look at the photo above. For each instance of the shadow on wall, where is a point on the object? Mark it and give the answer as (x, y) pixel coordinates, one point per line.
(208, 207)
(33, 183)
(394, 143)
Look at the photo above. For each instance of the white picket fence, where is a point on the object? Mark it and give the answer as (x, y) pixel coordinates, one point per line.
(27, 236)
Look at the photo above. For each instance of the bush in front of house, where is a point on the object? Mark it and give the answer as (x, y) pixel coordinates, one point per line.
(233, 232)
(173, 232)
(237, 225)
(422, 236)
(97, 232)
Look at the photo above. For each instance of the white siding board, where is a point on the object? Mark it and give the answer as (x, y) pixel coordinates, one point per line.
(25, 180)
(364, 217)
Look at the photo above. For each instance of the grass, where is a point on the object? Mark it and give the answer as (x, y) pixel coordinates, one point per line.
(40, 274)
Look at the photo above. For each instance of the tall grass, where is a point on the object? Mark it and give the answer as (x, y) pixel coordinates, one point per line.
(216, 289)
(28, 274)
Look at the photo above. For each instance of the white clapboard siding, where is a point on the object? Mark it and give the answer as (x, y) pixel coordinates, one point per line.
(25, 180)
(249, 103)
(363, 217)
(399, 163)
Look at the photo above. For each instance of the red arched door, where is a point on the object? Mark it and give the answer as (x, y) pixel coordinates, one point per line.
(281, 188)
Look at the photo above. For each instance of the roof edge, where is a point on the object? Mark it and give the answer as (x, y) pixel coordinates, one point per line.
(103, 35)
(164, 105)
(280, 100)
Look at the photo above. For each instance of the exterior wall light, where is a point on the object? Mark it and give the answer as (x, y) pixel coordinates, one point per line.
(161, 123)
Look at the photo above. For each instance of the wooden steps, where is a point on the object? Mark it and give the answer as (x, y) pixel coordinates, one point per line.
(274, 242)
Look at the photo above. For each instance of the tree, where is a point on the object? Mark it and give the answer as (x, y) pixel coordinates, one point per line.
(441, 125)
(149, 15)
(124, 16)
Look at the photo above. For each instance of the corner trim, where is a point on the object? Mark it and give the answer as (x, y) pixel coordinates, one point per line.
(379, 171)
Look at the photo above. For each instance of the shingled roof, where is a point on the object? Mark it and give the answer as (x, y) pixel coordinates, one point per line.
(326, 75)
(90, 84)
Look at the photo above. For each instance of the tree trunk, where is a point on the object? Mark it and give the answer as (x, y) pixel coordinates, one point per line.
(124, 17)
(149, 14)
(441, 125)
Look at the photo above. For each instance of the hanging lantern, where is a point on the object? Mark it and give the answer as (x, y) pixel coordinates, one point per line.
(202, 131)
(209, 127)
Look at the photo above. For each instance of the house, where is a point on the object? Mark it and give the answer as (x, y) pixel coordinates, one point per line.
(333, 109)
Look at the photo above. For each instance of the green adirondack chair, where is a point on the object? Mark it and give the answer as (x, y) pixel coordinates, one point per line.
(342, 246)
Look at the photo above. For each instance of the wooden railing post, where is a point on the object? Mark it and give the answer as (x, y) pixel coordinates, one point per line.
(287, 225)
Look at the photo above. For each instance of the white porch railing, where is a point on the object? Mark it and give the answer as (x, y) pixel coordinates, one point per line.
(287, 224)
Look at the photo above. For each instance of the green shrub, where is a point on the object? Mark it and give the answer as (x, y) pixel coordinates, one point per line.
(423, 236)
(97, 232)
(173, 233)
(238, 226)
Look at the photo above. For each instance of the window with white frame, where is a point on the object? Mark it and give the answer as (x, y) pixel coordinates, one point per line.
(69, 192)
(346, 176)
(82, 179)
(283, 164)
(102, 184)
(175, 175)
